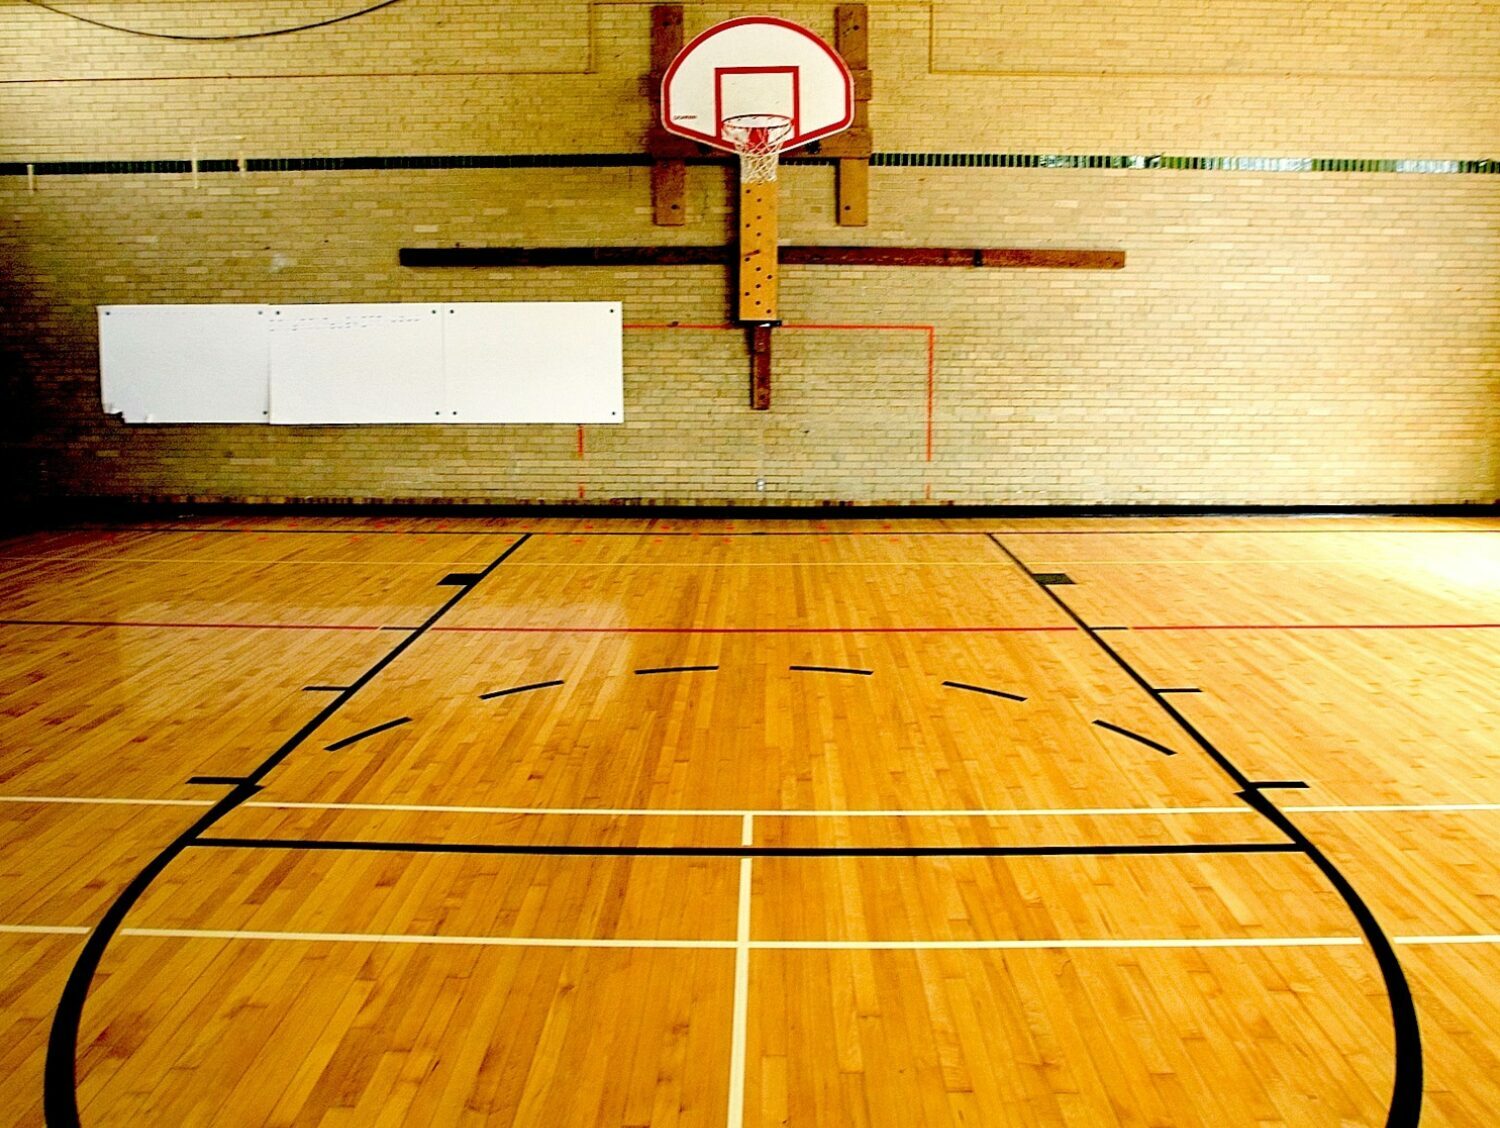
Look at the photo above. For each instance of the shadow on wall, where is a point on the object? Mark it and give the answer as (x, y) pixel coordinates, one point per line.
(18, 428)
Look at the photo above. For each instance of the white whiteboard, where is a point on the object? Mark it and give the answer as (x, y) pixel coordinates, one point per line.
(410, 362)
(357, 364)
(185, 363)
(534, 362)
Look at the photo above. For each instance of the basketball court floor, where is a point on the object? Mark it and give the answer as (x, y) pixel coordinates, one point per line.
(749, 823)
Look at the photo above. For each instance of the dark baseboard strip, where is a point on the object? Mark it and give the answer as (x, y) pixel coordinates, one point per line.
(59, 511)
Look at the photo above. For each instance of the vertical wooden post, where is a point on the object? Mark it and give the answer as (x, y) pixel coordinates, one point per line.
(669, 193)
(760, 367)
(668, 176)
(854, 192)
(852, 40)
(758, 268)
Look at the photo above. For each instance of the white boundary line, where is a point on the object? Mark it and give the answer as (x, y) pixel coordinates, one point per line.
(740, 1028)
(769, 813)
(418, 938)
(44, 929)
(742, 946)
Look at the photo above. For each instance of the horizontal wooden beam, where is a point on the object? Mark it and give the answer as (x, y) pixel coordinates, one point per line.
(566, 256)
(1059, 259)
(993, 257)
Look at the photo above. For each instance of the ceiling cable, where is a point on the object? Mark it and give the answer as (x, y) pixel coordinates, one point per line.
(212, 38)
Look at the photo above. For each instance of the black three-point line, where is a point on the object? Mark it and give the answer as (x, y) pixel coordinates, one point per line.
(1137, 737)
(983, 689)
(348, 740)
(519, 689)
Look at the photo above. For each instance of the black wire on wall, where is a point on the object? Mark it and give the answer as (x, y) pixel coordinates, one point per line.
(212, 38)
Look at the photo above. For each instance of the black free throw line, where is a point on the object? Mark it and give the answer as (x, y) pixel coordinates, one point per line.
(324, 688)
(982, 689)
(59, 1084)
(348, 740)
(674, 669)
(1137, 737)
(460, 579)
(519, 689)
(1405, 1109)
(1106, 628)
(1178, 689)
(233, 781)
(831, 670)
(1270, 784)
(750, 851)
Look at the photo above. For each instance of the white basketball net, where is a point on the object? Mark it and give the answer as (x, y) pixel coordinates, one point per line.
(758, 139)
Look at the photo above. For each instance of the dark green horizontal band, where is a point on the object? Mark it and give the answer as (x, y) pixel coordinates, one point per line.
(639, 160)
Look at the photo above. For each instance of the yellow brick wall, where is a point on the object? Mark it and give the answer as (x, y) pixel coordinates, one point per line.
(1277, 338)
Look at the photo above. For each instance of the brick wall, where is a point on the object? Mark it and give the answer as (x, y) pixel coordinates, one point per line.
(1277, 337)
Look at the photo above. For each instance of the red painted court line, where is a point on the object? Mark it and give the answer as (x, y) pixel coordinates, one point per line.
(745, 630)
(187, 626)
(753, 630)
(1319, 627)
(931, 390)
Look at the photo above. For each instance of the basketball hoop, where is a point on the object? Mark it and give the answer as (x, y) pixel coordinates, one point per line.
(757, 138)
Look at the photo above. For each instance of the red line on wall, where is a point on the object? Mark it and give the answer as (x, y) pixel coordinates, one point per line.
(930, 330)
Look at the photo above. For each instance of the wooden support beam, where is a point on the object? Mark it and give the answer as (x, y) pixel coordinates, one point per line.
(760, 367)
(669, 193)
(853, 142)
(758, 262)
(1012, 257)
(854, 192)
(566, 256)
(666, 37)
(990, 257)
(851, 35)
(668, 174)
(852, 40)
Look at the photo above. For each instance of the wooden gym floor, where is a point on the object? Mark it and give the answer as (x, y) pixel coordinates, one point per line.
(630, 822)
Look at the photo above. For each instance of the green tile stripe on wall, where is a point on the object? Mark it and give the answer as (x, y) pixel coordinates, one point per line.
(880, 160)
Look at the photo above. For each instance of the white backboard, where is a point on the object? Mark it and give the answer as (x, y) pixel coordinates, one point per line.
(757, 65)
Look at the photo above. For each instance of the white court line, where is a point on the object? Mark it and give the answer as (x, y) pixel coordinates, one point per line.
(767, 813)
(739, 1033)
(418, 938)
(742, 945)
(740, 813)
(44, 929)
